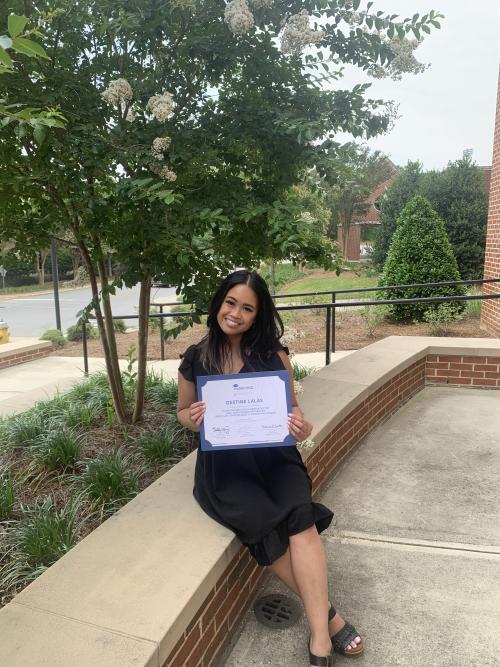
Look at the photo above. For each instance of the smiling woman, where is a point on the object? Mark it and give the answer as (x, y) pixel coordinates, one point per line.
(262, 494)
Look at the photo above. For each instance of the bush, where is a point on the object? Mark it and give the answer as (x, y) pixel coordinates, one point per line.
(54, 336)
(441, 316)
(120, 326)
(473, 308)
(75, 332)
(420, 252)
(374, 316)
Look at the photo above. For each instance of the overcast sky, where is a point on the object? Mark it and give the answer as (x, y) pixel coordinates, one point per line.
(451, 106)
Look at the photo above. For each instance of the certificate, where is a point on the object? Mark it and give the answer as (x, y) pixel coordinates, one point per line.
(245, 410)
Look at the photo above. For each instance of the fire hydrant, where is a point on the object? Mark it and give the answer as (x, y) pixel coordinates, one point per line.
(4, 332)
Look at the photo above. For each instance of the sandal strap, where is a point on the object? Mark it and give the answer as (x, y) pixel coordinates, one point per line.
(331, 612)
(320, 661)
(344, 637)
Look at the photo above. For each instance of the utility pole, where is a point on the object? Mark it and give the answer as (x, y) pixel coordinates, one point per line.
(55, 282)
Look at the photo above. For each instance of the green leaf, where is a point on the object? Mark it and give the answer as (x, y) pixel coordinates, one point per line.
(16, 24)
(28, 47)
(39, 133)
(5, 42)
(5, 58)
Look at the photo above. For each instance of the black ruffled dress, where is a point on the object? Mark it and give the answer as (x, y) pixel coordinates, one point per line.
(263, 495)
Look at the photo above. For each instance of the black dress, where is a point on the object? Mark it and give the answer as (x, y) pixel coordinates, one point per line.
(263, 495)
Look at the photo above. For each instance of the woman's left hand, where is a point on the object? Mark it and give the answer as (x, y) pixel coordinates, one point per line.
(299, 427)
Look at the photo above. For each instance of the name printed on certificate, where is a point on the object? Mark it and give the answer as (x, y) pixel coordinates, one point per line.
(245, 410)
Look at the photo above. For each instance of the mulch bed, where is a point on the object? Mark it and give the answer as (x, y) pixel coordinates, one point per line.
(351, 334)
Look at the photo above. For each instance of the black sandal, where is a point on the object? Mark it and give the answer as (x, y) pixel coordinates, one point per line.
(318, 660)
(344, 637)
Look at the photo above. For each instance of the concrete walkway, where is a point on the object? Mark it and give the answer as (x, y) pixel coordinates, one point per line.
(21, 386)
(414, 555)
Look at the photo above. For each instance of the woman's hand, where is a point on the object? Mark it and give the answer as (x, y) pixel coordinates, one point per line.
(197, 412)
(299, 427)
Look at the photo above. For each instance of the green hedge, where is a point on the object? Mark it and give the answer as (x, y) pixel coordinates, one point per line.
(420, 252)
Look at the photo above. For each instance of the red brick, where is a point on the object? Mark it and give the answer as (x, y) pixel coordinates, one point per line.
(484, 382)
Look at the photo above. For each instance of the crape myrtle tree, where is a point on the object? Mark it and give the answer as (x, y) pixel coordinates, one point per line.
(187, 123)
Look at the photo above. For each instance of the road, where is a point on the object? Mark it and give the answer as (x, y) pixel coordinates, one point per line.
(31, 315)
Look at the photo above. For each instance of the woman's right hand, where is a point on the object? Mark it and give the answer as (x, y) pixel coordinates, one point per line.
(197, 412)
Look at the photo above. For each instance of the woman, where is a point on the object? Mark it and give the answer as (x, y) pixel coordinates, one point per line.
(263, 494)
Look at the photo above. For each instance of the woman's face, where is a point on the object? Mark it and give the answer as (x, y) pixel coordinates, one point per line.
(238, 310)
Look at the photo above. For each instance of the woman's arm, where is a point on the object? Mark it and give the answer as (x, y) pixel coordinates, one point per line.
(190, 412)
(299, 427)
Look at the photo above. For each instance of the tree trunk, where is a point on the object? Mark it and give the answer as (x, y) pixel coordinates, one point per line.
(114, 378)
(110, 332)
(76, 258)
(41, 257)
(272, 276)
(142, 347)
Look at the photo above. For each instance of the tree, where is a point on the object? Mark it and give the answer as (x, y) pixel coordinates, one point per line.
(459, 196)
(404, 187)
(420, 252)
(358, 172)
(188, 122)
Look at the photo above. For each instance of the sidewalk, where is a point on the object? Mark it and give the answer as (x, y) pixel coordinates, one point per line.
(21, 386)
(414, 555)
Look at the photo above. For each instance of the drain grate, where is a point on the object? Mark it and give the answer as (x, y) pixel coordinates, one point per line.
(276, 611)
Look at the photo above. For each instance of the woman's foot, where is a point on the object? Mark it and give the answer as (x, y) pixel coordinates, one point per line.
(321, 649)
(335, 625)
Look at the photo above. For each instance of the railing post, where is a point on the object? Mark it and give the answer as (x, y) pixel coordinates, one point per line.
(328, 321)
(85, 351)
(162, 346)
(334, 312)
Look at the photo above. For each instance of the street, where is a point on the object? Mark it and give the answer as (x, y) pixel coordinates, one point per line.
(32, 315)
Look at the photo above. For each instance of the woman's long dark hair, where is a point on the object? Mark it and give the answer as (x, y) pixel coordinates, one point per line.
(262, 337)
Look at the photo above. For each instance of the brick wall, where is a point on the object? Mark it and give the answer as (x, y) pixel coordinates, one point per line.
(20, 357)
(490, 310)
(207, 636)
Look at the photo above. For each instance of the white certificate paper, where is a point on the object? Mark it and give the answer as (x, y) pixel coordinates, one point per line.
(245, 410)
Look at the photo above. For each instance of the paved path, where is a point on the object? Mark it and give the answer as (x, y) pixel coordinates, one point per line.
(414, 556)
(31, 315)
(21, 386)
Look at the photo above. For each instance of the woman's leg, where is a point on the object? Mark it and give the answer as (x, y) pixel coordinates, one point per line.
(308, 563)
(282, 568)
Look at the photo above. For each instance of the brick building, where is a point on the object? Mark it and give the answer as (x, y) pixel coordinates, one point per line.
(490, 310)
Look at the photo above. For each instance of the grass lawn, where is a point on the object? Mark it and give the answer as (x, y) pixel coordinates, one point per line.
(319, 282)
(22, 289)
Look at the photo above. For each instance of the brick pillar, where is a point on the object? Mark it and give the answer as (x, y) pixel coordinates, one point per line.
(490, 310)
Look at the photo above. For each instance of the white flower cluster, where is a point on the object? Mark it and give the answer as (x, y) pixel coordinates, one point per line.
(118, 92)
(161, 106)
(163, 171)
(297, 33)
(160, 146)
(130, 117)
(404, 61)
(238, 17)
(299, 389)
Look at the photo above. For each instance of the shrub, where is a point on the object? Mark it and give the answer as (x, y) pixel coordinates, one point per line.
(75, 332)
(420, 252)
(109, 479)
(374, 316)
(160, 445)
(473, 308)
(441, 316)
(300, 372)
(54, 336)
(120, 326)
(37, 540)
(23, 430)
(57, 448)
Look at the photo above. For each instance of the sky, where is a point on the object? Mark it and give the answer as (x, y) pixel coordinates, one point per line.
(451, 106)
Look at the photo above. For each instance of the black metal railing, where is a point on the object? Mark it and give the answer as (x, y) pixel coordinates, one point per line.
(330, 308)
